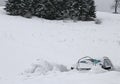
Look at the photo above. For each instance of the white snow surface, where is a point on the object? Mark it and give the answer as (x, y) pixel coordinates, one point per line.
(60, 43)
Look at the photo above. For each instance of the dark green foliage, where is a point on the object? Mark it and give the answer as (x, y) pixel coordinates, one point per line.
(13, 7)
(52, 9)
(20, 7)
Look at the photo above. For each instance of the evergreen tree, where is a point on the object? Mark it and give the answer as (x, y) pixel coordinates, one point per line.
(52, 9)
(92, 11)
(13, 7)
(73, 9)
(27, 8)
(87, 9)
(20, 7)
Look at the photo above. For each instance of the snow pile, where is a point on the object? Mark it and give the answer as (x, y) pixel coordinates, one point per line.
(42, 67)
(117, 68)
(97, 69)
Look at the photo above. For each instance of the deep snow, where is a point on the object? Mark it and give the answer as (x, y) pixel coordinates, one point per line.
(23, 41)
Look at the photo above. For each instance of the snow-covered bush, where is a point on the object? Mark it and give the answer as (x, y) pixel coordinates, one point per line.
(53, 9)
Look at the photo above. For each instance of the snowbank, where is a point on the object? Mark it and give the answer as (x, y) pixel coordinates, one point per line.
(42, 67)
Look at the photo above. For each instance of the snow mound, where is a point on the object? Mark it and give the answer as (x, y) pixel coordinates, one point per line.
(97, 69)
(117, 68)
(42, 67)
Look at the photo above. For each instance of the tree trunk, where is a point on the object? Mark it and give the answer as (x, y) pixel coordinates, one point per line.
(116, 6)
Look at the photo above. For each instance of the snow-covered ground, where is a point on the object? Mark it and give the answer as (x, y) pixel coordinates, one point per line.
(24, 42)
(105, 5)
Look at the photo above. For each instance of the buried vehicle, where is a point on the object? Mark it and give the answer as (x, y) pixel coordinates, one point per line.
(86, 63)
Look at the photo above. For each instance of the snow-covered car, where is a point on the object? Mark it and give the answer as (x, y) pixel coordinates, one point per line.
(86, 63)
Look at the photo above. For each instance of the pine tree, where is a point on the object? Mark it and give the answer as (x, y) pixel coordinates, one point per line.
(27, 8)
(20, 7)
(53, 9)
(13, 7)
(72, 9)
(87, 10)
(92, 11)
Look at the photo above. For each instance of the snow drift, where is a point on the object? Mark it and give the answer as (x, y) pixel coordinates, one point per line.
(42, 67)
